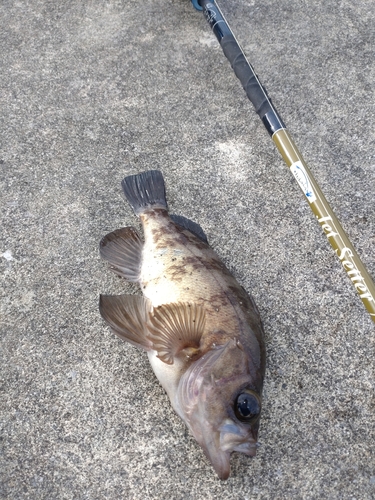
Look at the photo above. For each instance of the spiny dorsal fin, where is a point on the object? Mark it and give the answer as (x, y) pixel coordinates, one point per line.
(190, 225)
(127, 316)
(176, 329)
(123, 250)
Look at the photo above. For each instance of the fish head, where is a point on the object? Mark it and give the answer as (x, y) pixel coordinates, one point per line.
(219, 397)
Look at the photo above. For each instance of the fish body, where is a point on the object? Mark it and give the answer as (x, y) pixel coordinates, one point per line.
(201, 330)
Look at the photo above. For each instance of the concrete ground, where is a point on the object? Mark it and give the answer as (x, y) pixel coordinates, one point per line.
(94, 90)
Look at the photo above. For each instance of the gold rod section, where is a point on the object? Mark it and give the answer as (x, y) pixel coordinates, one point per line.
(328, 221)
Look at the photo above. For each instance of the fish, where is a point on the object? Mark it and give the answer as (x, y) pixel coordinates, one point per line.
(201, 330)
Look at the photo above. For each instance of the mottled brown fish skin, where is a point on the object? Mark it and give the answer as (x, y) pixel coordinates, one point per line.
(189, 270)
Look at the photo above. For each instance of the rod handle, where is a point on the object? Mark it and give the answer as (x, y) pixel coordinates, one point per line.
(245, 73)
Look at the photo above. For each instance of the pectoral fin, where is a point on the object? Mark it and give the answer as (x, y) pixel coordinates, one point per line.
(127, 316)
(123, 250)
(176, 329)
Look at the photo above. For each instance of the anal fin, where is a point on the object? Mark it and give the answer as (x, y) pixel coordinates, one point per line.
(127, 316)
(176, 330)
(123, 250)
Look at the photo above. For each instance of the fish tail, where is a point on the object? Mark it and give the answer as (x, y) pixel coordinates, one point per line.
(145, 191)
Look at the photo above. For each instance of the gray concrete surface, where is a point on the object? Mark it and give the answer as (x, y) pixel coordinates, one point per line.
(92, 91)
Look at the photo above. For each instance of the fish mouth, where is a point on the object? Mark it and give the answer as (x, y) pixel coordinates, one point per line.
(236, 438)
(219, 459)
(219, 445)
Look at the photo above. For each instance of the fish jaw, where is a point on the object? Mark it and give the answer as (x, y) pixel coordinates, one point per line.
(236, 438)
(205, 400)
(219, 444)
(220, 460)
(219, 441)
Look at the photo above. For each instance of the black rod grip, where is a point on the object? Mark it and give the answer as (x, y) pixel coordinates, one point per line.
(245, 73)
(242, 68)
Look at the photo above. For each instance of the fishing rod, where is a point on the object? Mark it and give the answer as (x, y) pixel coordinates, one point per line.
(257, 94)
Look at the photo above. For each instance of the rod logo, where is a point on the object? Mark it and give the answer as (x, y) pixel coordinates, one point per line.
(301, 176)
(210, 15)
(346, 258)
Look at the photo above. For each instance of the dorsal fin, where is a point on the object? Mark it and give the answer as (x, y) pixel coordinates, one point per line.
(123, 250)
(176, 329)
(190, 225)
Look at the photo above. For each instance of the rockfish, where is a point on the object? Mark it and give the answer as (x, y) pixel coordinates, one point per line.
(201, 330)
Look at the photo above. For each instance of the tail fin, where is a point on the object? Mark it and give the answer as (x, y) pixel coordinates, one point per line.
(145, 190)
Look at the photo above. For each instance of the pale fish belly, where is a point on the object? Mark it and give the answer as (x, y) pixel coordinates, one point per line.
(169, 376)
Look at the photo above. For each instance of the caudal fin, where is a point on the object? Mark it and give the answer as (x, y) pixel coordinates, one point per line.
(144, 191)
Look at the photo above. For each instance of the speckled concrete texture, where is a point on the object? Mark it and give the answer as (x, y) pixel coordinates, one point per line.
(94, 90)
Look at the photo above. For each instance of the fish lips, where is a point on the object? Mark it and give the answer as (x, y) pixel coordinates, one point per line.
(219, 445)
(237, 438)
(220, 461)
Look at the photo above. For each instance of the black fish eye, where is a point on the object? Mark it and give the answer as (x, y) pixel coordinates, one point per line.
(247, 406)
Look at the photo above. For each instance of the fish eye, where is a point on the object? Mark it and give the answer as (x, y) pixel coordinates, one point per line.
(247, 406)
